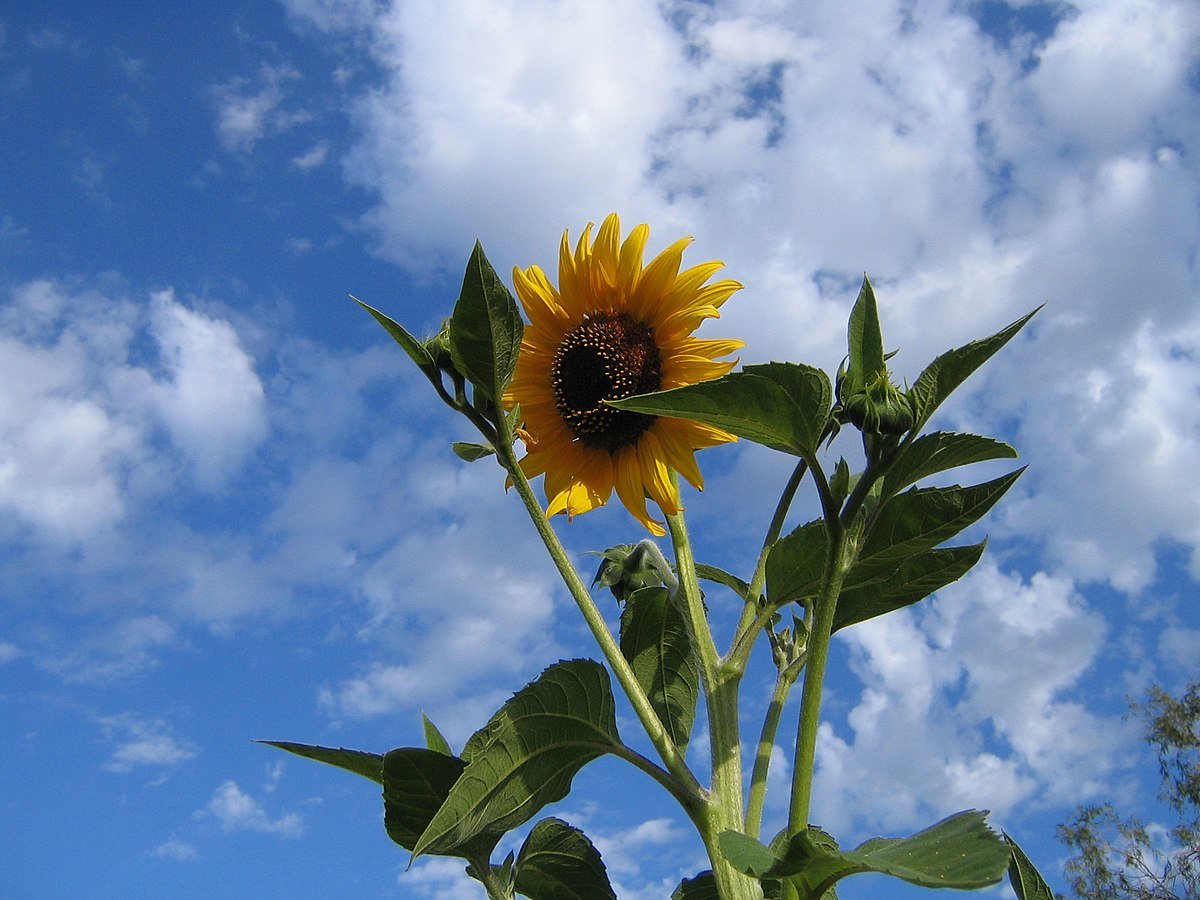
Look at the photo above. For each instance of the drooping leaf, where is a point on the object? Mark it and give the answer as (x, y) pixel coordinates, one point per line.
(656, 642)
(958, 852)
(702, 887)
(746, 854)
(795, 563)
(921, 518)
(864, 342)
(368, 765)
(1027, 882)
(720, 576)
(558, 862)
(953, 367)
(485, 328)
(433, 738)
(940, 451)
(912, 580)
(528, 753)
(469, 452)
(783, 406)
(413, 347)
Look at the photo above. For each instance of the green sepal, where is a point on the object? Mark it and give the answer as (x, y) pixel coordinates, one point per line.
(1027, 882)
(657, 644)
(953, 367)
(702, 887)
(485, 328)
(527, 754)
(469, 452)
(958, 852)
(864, 342)
(416, 783)
(940, 451)
(368, 765)
(433, 738)
(784, 406)
(558, 862)
(413, 347)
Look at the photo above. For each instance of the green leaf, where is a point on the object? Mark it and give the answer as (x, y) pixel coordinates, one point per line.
(958, 852)
(656, 642)
(469, 452)
(922, 518)
(795, 563)
(953, 367)
(911, 581)
(940, 451)
(485, 328)
(783, 406)
(702, 887)
(433, 738)
(1027, 882)
(865, 342)
(746, 854)
(416, 783)
(720, 576)
(413, 347)
(558, 862)
(368, 765)
(527, 755)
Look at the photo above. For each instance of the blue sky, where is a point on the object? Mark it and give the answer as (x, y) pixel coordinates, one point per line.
(227, 506)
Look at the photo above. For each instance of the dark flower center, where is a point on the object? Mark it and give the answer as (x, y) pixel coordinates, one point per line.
(607, 357)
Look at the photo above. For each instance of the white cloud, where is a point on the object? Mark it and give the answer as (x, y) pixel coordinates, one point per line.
(9, 652)
(176, 849)
(112, 653)
(238, 811)
(313, 158)
(143, 743)
(247, 112)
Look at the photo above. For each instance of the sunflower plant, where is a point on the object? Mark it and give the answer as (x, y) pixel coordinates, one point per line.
(603, 387)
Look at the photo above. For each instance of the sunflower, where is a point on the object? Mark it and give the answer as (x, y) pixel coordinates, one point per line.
(611, 329)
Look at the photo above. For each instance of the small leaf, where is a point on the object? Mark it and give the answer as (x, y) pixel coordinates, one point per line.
(469, 452)
(720, 576)
(1027, 882)
(702, 887)
(527, 755)
(865, 342)
(795, 563)
(433, 738)
(558, 862)
(368, 765)
(940, 451)
(783, 406)
(413, 347)
(953, 367)
(656, 642)
(485, 328)
(746, 854)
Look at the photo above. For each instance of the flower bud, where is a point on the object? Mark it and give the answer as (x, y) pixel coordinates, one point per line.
(628, 568)
(880, 409)
(439, 348)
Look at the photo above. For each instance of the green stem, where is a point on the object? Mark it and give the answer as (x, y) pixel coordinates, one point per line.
(487, 877)
(766, 744)
(725, 808)
(692, 793)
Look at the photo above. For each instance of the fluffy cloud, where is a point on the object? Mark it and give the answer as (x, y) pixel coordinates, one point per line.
(238, 811)
(248, 111)
(143, 742)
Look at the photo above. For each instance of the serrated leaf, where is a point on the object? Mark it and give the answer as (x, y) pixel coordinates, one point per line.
(922, 518)
(468, 452)
(416, 782)
(864, 341)
(720, 576)
(413, 347)
(702, 887)
(558, 862)
(433, 738)
(1027, 882)
(746, 854)
(958, 852)
(953, 367)
(795, 563)
(940, 451)
(783, 406)
(368, 765)
(656, 642)
(527, 755)
(911, 581)
(485, 328)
